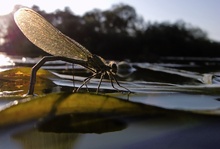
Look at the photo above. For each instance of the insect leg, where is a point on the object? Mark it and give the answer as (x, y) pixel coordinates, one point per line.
(102, 75)
(111, 80)
(112, 77)
(86, 81)
(73, 75)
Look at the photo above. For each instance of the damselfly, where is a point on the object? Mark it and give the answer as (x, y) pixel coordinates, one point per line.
(47, 37)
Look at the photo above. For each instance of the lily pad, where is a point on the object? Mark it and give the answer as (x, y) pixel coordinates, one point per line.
(71, 103)
(100, 107)
(16, 81)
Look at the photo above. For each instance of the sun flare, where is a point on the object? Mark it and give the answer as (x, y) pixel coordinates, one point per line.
(5, 61)
(6, 8)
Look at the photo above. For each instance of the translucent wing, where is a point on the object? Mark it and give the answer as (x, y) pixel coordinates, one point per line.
(45, 36)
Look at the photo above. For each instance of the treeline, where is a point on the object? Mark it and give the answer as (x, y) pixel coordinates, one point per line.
(119, 33)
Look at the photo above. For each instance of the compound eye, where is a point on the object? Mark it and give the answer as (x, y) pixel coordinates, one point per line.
(113, 67)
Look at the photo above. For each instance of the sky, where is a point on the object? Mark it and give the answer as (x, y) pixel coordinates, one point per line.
(199, 13)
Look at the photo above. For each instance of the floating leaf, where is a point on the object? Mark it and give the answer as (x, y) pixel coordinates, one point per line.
(86, 104)
(66, 103)
(16, 81)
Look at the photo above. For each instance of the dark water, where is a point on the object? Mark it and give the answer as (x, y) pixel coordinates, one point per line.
(189, 86)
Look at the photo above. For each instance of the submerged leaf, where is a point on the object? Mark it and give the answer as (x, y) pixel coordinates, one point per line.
(33, 139)
(17, 81)
(81, 123)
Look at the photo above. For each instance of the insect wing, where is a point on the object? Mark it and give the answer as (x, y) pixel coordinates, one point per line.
(47, 37)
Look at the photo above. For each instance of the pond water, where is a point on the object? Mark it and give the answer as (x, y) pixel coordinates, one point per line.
(186, 86)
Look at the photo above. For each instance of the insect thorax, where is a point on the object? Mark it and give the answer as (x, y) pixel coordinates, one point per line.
(98, 64)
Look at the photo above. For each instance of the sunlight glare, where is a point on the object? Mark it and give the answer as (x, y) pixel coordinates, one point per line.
(6, 8)
(6, 61)
(2, 41)
(24, 59)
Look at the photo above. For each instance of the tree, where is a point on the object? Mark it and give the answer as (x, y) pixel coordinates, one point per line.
(118, 33)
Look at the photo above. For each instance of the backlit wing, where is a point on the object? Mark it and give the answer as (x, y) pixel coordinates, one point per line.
(44, 35)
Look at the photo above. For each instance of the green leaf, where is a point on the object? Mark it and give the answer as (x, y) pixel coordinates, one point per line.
(85, 112)
(65, 103)
(16, 81)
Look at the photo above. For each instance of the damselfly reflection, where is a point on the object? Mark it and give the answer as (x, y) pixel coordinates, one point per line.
(47, 37)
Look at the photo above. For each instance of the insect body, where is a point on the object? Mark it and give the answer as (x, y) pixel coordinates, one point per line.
(47, 37)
